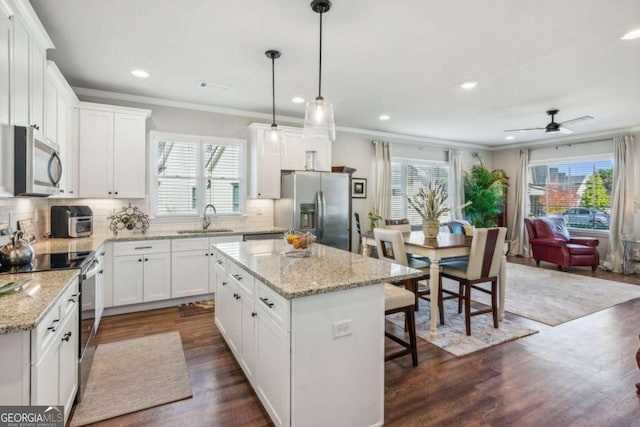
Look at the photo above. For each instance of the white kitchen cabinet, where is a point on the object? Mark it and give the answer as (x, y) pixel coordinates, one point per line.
(264, 176)
(141, 272)
(112, 145)
(60, 102)
(230, 314)
(248, 339)
(20, 69)
(54, 353)
(5, 73)
(38, 59)
(274, 367)
(189, 273)
(297, 147)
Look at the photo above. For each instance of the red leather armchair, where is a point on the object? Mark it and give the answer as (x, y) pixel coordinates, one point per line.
(551, 242)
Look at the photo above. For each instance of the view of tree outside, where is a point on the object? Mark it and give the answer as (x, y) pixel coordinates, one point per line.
(580, 192)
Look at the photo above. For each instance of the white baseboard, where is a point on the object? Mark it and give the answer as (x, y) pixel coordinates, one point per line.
(113, 311)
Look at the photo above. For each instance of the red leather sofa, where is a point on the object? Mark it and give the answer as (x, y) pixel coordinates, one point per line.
(551, 242)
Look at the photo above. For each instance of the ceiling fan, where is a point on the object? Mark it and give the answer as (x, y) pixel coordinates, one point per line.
(554, 127)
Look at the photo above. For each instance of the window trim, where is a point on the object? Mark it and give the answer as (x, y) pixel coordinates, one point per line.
(156, 136)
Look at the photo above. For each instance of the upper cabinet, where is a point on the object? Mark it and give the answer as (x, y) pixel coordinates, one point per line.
(5, 69)
(112, 147)
(60, 103)
(265, 168)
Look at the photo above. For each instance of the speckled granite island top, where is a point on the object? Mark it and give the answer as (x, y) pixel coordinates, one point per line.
(21, 311)
(326, 270)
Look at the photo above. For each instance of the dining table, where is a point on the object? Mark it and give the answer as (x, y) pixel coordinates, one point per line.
(445, 245)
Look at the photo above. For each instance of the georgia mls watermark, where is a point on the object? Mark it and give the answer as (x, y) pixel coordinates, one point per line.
(31, 416)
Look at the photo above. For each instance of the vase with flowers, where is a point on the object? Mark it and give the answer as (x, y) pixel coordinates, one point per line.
(431, 203)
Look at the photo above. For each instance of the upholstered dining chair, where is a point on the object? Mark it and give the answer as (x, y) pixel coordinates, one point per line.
(483, 266)
(390, 245)
(403, 226)
(398, 300)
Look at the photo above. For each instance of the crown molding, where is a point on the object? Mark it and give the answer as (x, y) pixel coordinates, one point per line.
(24, 9)
(114, 109)
(6, 8)
(53, 73)
(267, 116)
(587, 137)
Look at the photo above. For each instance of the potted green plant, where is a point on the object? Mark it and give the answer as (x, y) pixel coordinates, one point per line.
(485, 190)
(374, 218)
(430, 203)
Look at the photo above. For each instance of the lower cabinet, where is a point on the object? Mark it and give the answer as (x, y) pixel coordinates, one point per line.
(256, 336)
(54, 370)
(142, 276)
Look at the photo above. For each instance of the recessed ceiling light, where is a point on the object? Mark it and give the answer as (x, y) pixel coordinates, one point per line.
(384, 117)
(140, 73)
(468, 85)
(635, 34)
(510, 138)
(297, 99)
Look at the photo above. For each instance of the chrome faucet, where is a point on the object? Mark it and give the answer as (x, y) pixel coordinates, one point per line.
(205, 220)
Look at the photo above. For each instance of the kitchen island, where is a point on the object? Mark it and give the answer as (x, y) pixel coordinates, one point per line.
(307, 332)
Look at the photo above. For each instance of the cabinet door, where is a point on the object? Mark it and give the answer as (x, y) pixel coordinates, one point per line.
(221, 311)
(264, 180)
(212, 272)
(228, 310)
(62, 127)
(36, 92)
(129, 156)
(273, 368)
(20, 94)
(95, 165)
(295, 156)
(189, 273)
(68, 362)
(44, 376)
(51, 111)
(157, 277)
(127, 279)
(248, 337)
(5, 72)
(99, 290)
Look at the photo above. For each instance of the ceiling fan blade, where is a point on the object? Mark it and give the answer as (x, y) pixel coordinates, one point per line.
(523, 130)
(565, 130)
(579, 119)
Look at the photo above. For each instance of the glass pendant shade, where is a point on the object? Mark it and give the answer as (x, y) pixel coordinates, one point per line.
(318, 120)
(274, 142)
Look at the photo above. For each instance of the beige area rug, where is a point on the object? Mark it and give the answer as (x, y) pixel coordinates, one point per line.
(452, 336)
(127, 376)
(553, 297)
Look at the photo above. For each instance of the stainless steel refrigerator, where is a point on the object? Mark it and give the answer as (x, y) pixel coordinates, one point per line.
(317, 202)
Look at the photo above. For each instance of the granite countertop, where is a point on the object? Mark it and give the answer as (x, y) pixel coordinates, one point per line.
(326, 270)
(21, 311)
(92, 243)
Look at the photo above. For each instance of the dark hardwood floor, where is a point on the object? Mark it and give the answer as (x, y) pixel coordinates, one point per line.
(580, 373)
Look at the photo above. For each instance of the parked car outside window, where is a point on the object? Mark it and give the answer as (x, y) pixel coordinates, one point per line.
(585, 217)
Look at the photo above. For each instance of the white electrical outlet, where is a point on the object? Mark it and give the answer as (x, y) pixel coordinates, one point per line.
(342, 328)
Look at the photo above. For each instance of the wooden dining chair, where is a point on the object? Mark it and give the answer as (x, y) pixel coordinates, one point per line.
(398, 300)
(483, 266)
(390, 245)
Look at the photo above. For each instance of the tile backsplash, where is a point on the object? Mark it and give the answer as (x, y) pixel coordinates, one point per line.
(258, 213)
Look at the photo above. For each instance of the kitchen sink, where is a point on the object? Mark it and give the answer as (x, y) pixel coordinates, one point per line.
(210, 230)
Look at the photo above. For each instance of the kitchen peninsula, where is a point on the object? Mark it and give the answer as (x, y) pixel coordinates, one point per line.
(308, 332)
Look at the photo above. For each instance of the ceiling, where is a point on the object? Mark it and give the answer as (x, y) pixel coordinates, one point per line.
(378, 58)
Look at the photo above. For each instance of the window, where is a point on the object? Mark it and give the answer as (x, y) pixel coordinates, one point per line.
(579, 192)
(191, 172)
(409, 176)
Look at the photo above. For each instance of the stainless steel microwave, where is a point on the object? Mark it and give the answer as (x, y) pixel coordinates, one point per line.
(37, 168)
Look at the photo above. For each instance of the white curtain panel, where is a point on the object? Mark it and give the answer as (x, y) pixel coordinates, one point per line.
(456, 183)
(622, 206)
(383, 178)
(519, 237)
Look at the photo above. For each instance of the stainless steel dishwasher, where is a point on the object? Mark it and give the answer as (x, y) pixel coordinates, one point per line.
(263, 236)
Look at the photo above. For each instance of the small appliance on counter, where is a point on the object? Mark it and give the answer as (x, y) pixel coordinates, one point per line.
(71, 221)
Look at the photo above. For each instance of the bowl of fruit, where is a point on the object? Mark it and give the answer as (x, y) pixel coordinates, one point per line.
(299, 243)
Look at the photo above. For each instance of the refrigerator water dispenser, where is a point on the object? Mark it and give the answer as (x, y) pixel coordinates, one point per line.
(307, 216)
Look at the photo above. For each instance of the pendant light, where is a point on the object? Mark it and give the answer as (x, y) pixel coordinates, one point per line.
(318, 118)
(274, 139)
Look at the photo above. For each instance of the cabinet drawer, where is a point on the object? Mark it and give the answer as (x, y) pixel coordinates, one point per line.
(241, 278)
(190, 244)
(44, 332)
(142, 246)
(69, 298)
(278, 307)
(220, 261)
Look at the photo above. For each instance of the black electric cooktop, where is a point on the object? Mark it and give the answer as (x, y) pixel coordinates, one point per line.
(47, 262)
